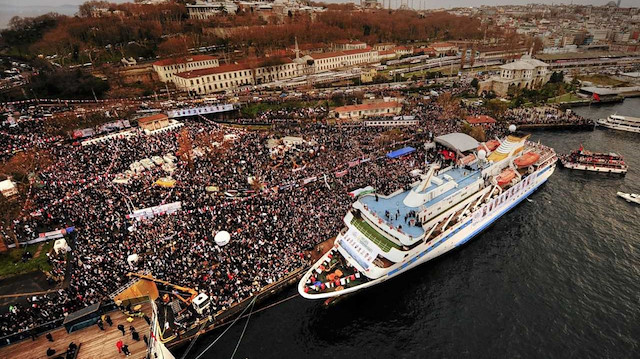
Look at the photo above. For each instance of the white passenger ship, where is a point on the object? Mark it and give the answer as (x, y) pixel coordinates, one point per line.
(622, 123)
(388, 235)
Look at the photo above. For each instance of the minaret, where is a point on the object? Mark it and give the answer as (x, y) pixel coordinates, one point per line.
(297, 49)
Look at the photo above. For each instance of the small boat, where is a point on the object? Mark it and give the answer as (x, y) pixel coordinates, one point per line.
(491, 145)
(527, 159)
(630, 197)
(505, 177)
(594, 162)
(467, 159)
(621, 123)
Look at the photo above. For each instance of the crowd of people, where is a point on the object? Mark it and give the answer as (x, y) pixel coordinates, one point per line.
(544, 116)
(276, 210)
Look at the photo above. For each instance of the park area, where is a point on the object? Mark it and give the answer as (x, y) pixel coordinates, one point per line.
(11, 262)
(603, 80)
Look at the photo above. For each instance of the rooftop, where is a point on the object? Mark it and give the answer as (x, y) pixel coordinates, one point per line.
(367, 106)
(183, 60)
(441, 45)
(213, 70)
(326, 55)
(156, 117)
(525, 63)
(458, 141)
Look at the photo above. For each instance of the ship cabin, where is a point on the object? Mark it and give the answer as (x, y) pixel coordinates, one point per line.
(403, 217)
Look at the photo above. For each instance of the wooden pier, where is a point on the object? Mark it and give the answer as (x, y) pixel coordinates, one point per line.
(93, 343)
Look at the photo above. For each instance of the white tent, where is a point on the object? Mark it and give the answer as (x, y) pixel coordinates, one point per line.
(61, 245)
(132, 259)
(222, 238)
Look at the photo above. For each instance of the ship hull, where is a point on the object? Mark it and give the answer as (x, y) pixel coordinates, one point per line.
(466, 231)
(582, 167)
(619, 127)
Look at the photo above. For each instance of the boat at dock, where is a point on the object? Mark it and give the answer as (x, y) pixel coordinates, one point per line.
(385, 236)
(621, 123)
(584, 160)
(630, 197)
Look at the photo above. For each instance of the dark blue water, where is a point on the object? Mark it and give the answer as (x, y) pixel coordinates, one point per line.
(557, 277)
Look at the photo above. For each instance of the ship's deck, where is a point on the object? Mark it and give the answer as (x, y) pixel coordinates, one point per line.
(395, 204)
(96, 343)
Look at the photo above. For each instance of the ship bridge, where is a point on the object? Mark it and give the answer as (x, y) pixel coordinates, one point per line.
(400, 216)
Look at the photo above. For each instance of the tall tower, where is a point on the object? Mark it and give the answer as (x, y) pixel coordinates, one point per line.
(297, 48)
(619, 1)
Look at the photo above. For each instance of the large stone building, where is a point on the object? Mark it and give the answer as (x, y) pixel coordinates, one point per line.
(202, 74)
(334, 60)
(203, 10)
(232, 76)
(167, 68)
(526, 73)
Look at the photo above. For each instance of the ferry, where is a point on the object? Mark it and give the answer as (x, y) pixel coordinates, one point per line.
(622, 123)
(385, 236)
(630, 197)
(594, 162)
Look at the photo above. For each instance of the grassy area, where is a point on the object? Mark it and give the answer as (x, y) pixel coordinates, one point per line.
(377, 238)
(11, 263)
(602, 80)
(568, 97)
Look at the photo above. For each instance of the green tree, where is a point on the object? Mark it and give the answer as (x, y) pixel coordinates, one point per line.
(475, 83)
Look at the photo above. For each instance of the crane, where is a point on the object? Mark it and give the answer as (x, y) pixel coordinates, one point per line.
(193, 293)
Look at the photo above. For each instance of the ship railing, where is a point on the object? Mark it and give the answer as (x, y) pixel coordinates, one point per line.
(128, 285)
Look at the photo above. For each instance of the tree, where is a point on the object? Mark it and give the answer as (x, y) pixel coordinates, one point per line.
(173, 46)
(496, 108)
(557, 77)
(478, 133)
(87, 9)
(62, 83)
(185, 147)
(463, 56)
(475, 83)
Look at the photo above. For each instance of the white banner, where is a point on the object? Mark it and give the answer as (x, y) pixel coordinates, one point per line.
(151, 212)
(195, 111)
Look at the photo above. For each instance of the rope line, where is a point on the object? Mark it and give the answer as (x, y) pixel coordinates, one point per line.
(225, 331)
(194, 339)
(243, 330)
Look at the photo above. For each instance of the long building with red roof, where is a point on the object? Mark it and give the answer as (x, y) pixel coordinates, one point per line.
(231, 76)
(334, 60)
(167, 68)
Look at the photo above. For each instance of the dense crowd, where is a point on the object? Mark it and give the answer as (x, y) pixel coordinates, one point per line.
(271, 226)
(275, 207)
(544, 116)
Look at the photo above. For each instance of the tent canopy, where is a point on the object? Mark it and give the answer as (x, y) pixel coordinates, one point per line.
(401, 152)
(458, 142)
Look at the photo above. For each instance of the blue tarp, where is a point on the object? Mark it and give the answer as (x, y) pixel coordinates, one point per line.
(401, 152)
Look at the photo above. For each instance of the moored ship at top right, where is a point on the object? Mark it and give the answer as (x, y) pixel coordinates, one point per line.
(621, 123)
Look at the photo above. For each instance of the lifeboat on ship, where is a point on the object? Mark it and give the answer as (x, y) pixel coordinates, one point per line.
(467, 159)
(505, 177)
(527, 159)
(490, 145)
